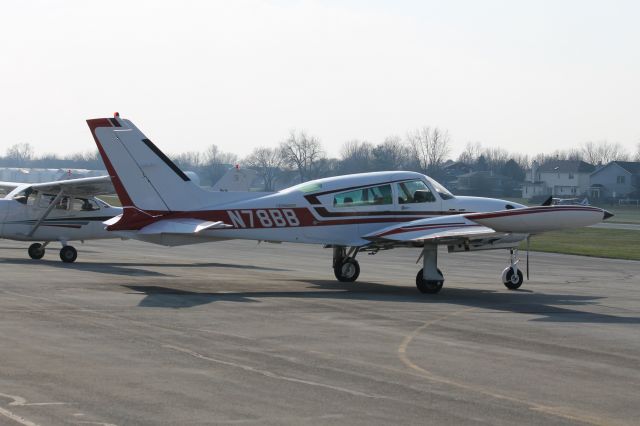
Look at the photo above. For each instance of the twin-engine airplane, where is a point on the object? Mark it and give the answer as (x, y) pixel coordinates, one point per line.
(61, 211)
(357, 213)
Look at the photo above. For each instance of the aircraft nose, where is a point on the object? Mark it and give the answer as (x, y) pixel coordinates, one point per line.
(607, 215)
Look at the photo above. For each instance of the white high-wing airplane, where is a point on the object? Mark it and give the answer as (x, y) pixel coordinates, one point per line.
(63, 211)
(357, 213)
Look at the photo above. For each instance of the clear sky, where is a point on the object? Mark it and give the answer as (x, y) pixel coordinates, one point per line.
(527, 76)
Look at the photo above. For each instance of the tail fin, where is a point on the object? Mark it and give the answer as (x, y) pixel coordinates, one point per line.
(142, 175)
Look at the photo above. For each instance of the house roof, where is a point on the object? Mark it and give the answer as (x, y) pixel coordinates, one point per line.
(632, 167)
(566, 166)
(484, 173)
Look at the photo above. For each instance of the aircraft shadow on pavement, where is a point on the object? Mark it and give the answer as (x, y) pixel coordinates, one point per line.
(202, 265)
(103, 268)
(545, 306)
(129, 268)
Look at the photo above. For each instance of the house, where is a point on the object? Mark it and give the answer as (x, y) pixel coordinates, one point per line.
(451, 170)
(560, 178)
(618, 179)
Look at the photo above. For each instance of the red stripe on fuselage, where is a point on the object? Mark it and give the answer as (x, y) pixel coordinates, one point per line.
(117, 184)
(135, 219)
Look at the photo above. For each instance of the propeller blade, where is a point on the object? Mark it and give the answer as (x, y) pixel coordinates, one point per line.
(528, 241)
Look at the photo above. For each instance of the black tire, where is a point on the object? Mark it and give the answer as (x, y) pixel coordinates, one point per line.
(68, 254)
(509, 282)
(428, 286)
(347, 270)
(36, 251)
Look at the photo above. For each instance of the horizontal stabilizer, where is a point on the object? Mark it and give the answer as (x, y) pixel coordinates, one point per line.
(181, 226)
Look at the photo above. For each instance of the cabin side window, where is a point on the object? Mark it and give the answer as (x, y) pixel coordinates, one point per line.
(415, 191)
(84, 204)
(374, 196)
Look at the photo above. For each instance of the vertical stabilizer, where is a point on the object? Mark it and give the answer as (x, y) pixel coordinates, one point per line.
(143, 176)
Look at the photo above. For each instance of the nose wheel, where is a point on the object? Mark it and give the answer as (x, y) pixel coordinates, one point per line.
(512, 277)
(512, 280)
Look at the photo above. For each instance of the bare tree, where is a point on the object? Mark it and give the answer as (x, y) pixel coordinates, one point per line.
(523, 160)
(470, 153)
(216, 162)
(189, 160)
(430, 146)
(496, 158)
(267, 162)
(638, 153)
(19, 154)
(356, 157)
(391, 154)
(572, 155)
(603, 152)
(302, 152)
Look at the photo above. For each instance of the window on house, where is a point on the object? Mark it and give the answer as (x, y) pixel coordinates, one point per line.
(620, 179)
(376, 195)
(570, 175)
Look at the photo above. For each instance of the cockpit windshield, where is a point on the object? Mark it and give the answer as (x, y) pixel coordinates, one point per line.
(24, 196)
(444, 192)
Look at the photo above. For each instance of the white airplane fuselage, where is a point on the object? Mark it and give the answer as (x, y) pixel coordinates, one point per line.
(313, 212)
(17, 221)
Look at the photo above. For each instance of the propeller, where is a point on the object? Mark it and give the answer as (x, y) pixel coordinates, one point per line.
(528, 243)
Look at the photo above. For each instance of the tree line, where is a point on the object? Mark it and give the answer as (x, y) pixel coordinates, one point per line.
(301, 157)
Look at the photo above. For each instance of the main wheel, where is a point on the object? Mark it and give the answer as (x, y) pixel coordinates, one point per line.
(36, 251)
(429, 286)
(347, 270)
(68, 254)
(512, 281)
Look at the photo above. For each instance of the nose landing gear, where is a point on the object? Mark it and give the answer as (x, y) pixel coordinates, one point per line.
(512, 277)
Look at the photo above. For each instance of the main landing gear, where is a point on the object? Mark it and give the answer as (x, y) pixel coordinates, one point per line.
(429, 279)
(68, 254)
(36, 250)
(512, 276)
(345, 266)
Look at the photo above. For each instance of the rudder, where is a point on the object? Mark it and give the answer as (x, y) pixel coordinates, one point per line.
(143, 176)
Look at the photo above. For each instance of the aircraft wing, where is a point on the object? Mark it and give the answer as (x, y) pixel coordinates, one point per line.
(7, 187)
(527, 220)
(442, 229)
(88, 187)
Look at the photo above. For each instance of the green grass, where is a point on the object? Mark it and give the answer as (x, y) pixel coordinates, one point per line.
(611, 243)
(623, 214)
